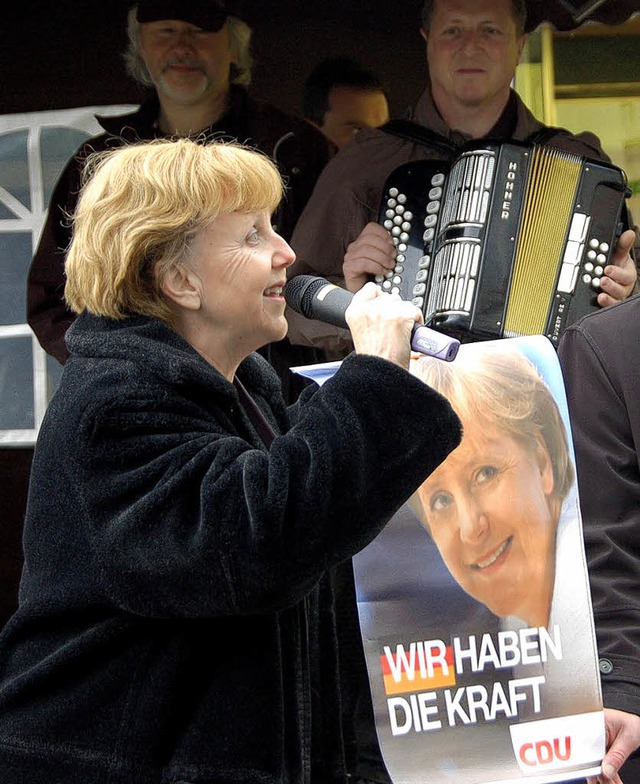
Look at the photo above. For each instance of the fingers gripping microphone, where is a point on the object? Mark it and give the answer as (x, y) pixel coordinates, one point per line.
(316, 298)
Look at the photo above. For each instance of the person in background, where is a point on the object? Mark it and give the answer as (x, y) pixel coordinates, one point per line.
(601, 369)
(472, 50)
(195, 58)
(340, 98)
(175, 619)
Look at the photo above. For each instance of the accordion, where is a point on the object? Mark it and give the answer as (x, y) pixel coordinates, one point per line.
(506, 240)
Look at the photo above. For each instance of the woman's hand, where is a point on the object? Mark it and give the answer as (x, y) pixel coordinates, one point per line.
(381, 324)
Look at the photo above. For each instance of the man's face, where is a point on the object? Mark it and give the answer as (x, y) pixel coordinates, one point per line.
(185, 62)
(350, 110)
(472, 50)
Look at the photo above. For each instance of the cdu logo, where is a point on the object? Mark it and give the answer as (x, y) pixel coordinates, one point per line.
(550, 745)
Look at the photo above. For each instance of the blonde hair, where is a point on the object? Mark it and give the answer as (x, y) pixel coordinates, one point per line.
(138, 211)
(499, 389)
(239, 45)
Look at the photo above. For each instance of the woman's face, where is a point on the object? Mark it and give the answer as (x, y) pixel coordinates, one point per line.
(238, 267)
(489, 508)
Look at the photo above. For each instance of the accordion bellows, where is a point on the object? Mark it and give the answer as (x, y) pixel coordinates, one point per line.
(507, 240)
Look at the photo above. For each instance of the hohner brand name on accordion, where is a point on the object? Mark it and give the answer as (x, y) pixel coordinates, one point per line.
(509, 187)
(508, 239)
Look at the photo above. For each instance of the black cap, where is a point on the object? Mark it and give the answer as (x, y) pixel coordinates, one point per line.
(206, 14)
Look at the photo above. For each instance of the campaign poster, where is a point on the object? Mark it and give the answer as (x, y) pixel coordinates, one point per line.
(474, 601)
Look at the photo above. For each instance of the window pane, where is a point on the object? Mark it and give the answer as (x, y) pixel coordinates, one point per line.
(15, 257)
(14, 173)
(16, 384)
(57, 145)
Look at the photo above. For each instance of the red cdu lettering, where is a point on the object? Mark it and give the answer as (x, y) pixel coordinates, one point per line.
(545, 752)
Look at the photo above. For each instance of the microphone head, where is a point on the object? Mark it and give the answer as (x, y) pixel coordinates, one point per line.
(300, 291)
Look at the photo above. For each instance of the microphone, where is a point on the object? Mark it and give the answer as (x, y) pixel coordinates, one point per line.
(316, 298)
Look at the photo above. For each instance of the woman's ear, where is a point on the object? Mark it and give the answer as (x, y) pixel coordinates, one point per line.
(545, 466)
(181, 285)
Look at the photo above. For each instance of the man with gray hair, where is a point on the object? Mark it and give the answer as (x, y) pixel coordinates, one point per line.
(195, 55)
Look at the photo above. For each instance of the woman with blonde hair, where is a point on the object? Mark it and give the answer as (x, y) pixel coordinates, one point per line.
(175, 620)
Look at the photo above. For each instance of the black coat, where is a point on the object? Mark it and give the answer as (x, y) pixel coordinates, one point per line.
(600, 361)
(175, 620)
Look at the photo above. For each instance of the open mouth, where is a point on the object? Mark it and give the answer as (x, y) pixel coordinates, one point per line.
(274, 291)
(485, 563)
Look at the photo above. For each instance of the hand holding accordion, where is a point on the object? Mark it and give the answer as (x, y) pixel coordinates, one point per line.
(510, 239)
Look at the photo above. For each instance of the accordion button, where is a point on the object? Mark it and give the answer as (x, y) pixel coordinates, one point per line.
(601, 258)
(393, 192)
(433, 207)
(418, 301)
(408, 215)
(419, 289)
(599, 271)
(594, 243)
(437, 179)
(591, 255)
(435, 193)
(604, 247)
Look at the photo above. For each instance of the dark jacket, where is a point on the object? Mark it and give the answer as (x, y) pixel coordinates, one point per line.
(299, 149)
(175, 620)
(600, 361)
